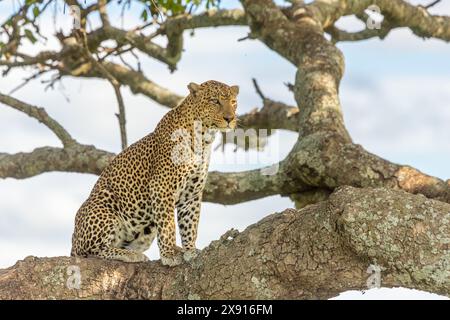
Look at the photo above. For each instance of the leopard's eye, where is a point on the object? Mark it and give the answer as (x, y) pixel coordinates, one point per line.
(214, 101)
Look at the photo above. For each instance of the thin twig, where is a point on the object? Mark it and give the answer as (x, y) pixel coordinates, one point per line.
(258, 90)
(126, 63)
(121, 116)
(432, 4)
(243, 38)
(116, 85)
(26, 80)
(290, 86)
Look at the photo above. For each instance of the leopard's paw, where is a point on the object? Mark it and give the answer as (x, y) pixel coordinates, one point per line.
(138, 257)
(190, 254)
(173, 260)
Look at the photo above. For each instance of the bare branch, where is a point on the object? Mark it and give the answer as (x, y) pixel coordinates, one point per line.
(258, 89)
(432, 4)
(77, 158)
(121, 117)
(27, 80)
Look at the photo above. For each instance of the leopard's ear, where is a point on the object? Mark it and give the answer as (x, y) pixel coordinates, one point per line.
(234, 90)
(193, 87)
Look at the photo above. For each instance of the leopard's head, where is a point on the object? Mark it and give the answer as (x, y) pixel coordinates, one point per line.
(216, 103)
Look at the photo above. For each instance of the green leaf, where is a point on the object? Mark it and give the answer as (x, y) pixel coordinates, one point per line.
(36, 11)
(144, 15)
(30, 36)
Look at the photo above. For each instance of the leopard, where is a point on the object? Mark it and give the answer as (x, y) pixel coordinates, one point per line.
(162, 175)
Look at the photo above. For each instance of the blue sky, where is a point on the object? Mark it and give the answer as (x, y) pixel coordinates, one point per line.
(395, 96)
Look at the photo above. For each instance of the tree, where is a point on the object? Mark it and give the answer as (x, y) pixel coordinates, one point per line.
(365, 210)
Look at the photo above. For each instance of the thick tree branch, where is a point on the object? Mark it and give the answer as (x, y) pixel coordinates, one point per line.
(77, 158)
(331, 244)
(237, 187)
(324, 160)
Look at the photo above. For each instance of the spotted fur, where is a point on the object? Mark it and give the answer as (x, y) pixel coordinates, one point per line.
(135, 197)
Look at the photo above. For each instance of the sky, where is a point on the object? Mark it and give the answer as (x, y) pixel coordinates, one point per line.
(395, 96)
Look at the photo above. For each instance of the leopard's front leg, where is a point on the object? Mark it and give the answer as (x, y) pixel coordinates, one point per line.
(188, 214)
(188, 206)
(164, 210)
